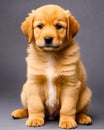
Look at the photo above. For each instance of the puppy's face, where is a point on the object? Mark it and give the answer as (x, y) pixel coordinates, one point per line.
(50, 27)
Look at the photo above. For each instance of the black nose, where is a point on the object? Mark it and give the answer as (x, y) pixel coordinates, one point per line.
(48, 40)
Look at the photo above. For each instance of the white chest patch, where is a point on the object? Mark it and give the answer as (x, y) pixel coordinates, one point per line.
(49, 71)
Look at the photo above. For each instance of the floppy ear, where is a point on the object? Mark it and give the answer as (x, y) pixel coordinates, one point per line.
(27, 26)
(73, 26)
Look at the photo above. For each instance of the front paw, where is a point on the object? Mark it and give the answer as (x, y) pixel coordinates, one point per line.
(67, 123)
(34, 122)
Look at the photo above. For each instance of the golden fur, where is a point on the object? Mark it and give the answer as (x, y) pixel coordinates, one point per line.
(55, 74)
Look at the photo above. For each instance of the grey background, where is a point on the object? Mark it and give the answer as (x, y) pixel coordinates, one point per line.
(90, 14)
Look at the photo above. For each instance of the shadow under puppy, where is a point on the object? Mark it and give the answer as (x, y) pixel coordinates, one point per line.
(56, 78)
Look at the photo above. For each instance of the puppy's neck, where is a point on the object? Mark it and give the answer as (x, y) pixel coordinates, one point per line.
(43, 55)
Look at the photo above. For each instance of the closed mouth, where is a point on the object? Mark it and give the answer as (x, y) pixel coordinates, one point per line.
(49, 46)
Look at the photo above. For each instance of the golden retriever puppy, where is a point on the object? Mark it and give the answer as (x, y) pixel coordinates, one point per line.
(56, 78)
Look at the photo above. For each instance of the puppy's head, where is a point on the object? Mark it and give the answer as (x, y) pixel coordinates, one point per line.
(50, 27)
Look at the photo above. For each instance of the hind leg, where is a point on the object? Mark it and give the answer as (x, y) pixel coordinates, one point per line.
(83, 118)
(19, 113)
(82, 108)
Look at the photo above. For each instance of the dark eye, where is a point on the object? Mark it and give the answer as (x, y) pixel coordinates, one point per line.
(58, 26)
(40, 26)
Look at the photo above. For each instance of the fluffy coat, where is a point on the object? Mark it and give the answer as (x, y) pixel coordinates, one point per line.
(56, 77)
